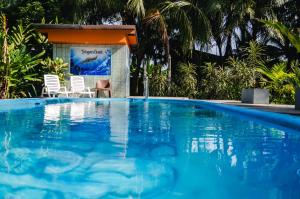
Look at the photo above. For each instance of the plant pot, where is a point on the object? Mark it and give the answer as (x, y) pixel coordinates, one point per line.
(255, 96)
(297, 103)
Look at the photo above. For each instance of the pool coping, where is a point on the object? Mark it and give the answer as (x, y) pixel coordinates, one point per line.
(284, 120)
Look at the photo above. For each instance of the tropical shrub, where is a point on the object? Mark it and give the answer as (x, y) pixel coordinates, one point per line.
(296, 71)
(21, 68)
(280, 82)
(158, 80)
(18, 76)
(187, 84)
(226, 82)
(213, 82)
(241, 75)
(55, 66)
(17, 65)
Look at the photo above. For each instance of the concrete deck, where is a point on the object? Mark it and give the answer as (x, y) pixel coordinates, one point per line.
(277, 108)
(142, 97)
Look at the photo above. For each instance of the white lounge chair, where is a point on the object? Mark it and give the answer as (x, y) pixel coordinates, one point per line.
(52, 87)
(78, 86)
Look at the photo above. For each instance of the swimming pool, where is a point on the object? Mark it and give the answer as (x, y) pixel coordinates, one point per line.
(146, 149)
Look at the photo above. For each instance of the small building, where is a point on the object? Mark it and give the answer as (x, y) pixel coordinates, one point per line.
(95, 52)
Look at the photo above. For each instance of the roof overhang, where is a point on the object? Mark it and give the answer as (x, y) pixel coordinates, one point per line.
(89, 34)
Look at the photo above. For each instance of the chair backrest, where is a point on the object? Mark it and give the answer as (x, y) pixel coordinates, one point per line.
(52, 83)
(77, 84)
(102, 84)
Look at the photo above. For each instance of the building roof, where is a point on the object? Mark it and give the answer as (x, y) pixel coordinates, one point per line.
(85, 27)
(89, 34)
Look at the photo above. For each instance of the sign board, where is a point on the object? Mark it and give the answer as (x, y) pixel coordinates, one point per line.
(90, 61)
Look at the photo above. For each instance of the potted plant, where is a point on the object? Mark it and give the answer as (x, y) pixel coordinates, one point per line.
(254, 57)
(254, 94)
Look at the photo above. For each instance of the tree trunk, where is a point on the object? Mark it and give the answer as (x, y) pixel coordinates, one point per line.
(219, 45)
(5, 59)
(136, 76)
(145, 79)
(169, 60)
(228, 52)
(4, 89)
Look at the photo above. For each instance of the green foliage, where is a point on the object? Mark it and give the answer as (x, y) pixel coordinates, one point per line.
(279, 82)
(21, 35)
(19, 74)
(187, 80)
(56, 66)
(296, 71)
(21, 70)
(158, 80)
(17, 65)
(294, 38)
(31, 12)
(213, 83)
(253, 54)
(226, 82)
(136, 7)
(170, 29)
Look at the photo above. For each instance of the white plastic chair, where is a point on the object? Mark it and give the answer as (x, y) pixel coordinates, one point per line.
(52, 86)
(78, 86)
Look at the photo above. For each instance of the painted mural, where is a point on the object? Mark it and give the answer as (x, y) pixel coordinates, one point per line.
(90, 61)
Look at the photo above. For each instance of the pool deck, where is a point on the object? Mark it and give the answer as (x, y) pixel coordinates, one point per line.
(276, 108)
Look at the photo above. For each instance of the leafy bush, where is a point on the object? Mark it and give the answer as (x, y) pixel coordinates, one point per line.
(21, 69)
(158, 80)
(226, 82)
(296, 71)
(18, 76)
(280, 82)
(56, 66)
(212, 83)
(187, 82)
(17, 65)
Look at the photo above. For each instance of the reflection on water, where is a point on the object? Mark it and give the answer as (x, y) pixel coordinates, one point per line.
(144, 150)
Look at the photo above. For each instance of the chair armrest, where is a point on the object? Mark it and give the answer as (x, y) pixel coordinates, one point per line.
(88, 89)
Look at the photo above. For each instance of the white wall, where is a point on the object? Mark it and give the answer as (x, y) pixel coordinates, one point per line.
(120, 71)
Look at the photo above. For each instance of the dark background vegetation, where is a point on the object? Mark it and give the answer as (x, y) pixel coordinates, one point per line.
(195, 48)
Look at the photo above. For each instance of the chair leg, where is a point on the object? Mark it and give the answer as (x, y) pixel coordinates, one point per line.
(43, 92)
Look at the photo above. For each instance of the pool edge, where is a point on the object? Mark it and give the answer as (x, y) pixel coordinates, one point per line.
(284, 120)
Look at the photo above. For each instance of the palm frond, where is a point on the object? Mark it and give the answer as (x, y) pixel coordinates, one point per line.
(136, 7)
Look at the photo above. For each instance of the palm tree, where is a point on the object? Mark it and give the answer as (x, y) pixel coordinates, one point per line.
(178, 18)
(294, 38)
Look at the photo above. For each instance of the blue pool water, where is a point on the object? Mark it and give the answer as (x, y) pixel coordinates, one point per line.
(137, 149)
